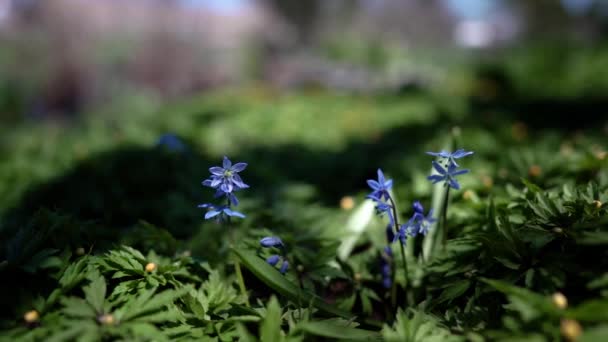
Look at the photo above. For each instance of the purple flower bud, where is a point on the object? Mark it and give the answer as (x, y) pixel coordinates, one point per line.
(284, 267)
(418, 207)
(273, 260)
(271, 241)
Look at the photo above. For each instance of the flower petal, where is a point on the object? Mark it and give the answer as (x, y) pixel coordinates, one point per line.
(418, 208)
(438, 168)
(454, 184)
(236, 180)
(435, 178)
(226, 163)
(380, 176)
(233, 213)
(388, 184)
(461, 153)
(373, 184)
(215, 182)
(238, 167)
(216, 170)
(459, 172)
(211, 213)
(232, 198)
(207, 182)
(226, 187)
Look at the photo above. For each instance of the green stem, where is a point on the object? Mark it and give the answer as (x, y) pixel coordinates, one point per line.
(241, 281)
(237, 265)
(405, 272)
(444, 217)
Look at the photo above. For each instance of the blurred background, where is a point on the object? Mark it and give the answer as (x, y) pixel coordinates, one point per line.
(61, 58)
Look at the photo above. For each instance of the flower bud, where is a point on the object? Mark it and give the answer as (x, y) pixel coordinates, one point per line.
(559, 300)
(271, 241)
(150, 267)
(418, 207)
(272, 260)
(31, 316)
(106, 319)
(598, 204)
(80, 251)
(570, 329)
(347, 203)
(284, 267)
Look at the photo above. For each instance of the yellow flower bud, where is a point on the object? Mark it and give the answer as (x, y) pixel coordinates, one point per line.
(347, 203)
(560, 300)
(570, 329)
(106, 319)
(598, 204)
(150, 267)
(31, 316)
(535, 171)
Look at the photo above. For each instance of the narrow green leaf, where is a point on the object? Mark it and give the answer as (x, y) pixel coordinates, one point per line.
(271, 277)
(338, 330)
(270, 328)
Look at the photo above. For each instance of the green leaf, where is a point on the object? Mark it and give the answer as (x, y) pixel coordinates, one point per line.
(591, 311)
(338, 329)
(77, 307)
(270, 328)
(275, 280)
(594, 334)
(454, 290)
(95, 292)
(531, 186)
(529, 304)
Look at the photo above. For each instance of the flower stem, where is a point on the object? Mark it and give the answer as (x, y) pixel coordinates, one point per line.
(444, 217)
(237, 265)
(405, 271)
(241, 281)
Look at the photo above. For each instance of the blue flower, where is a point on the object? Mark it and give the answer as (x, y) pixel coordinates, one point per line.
(380, 187)
(284, 267)
(448, 176)
(418, 208)
(402, 233)
(271, 241)
(390, 235)
(386, 275)
(215, 210)
(273, 259)
(451, 156)
(420, 224)
(226, 178)
(171, 142)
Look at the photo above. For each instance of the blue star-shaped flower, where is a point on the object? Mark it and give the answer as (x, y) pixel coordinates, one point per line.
(226, 178)
(420, 224)
(448, 176)
(451, 156)
(215, 210)
(380, 187)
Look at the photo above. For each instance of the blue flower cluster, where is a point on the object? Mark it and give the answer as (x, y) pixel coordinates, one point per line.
(417, 224)
(226, 181)
(449, 170)
(273, 260)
